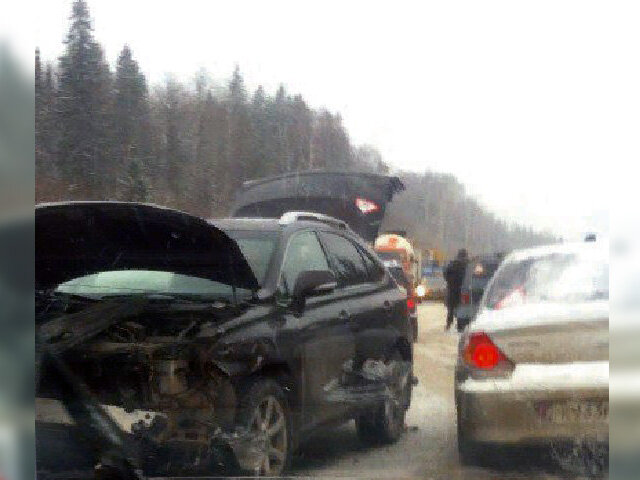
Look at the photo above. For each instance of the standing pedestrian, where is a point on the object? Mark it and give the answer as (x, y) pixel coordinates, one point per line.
(454, 275)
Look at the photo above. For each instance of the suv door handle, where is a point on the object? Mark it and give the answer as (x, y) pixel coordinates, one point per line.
(344, 315)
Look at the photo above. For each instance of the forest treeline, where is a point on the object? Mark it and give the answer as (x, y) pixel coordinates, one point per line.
(105, 134)
(436, 212)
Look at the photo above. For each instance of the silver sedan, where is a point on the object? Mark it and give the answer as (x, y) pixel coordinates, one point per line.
(533, 368)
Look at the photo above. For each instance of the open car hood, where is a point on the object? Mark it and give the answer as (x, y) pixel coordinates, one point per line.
(74, 239)
(330, 193)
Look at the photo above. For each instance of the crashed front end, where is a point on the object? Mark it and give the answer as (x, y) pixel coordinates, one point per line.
(171, 403)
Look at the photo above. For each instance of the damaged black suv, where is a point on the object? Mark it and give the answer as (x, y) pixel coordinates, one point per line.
(177, 345)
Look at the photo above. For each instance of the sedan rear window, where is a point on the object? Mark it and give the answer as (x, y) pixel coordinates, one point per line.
(479, 273)
(559, 277)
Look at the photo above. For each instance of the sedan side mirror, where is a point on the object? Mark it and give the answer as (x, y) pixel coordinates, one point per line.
(314, 282)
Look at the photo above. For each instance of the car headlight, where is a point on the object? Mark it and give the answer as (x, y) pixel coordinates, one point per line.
(421, 291)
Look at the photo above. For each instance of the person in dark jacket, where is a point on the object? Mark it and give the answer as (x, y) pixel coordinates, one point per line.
(454, 275)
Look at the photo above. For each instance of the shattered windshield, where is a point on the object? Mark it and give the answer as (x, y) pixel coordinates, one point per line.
(135, 282)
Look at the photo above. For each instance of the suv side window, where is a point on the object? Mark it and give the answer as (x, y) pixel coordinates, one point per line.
(348, 264)
(375, 271)
(303, 253)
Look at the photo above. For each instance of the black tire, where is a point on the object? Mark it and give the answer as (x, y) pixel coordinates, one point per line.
(470, 453)
(385, 423)
(258, 396)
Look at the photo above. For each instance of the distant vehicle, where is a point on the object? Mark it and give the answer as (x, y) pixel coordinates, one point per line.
(431, 270)
(433, 257)
(391, 246)
(533, 368)
(433, 287)
(236, 336)
(478, 273)
(398, 255)
(401, 278)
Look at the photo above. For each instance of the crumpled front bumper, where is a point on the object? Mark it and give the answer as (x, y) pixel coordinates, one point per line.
(56, 425)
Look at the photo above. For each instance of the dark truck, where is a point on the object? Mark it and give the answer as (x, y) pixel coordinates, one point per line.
(170, 345)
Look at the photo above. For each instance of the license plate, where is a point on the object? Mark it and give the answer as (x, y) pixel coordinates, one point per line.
(573, 411)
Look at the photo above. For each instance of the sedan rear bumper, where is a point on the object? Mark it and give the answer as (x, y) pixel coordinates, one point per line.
(538, 404)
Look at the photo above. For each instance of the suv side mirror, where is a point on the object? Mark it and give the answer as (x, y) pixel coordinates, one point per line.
(313, 282)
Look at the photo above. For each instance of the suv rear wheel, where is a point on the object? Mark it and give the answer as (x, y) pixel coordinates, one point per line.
(386, 422)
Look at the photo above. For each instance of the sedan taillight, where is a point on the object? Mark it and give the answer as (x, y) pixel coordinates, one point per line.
(482, 355)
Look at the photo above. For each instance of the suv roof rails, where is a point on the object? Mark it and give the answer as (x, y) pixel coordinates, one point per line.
(290, 217)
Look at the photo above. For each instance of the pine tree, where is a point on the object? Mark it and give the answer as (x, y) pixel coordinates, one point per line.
(331, 146)
(210, 157)
(39, 110)
(176, 159)
(284, 158)
(131, 126)
(45, 126)
(261, 156)
(240, 135)
(300, 133)
(83, 111)
(38, 77)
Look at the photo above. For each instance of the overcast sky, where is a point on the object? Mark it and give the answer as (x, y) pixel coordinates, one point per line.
(521, 101)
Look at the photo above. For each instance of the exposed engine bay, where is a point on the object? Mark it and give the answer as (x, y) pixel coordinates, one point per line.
(151, 360)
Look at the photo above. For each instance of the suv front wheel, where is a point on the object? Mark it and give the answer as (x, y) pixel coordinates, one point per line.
(265, 413)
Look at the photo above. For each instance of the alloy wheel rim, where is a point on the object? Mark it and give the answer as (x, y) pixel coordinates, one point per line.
(270, 425)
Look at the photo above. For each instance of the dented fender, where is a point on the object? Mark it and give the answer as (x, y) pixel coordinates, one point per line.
(245, 358)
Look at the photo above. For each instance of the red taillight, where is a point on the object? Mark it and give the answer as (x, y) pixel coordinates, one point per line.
(366, 206)
(411, 304)
(480, 352)
(465, 298)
